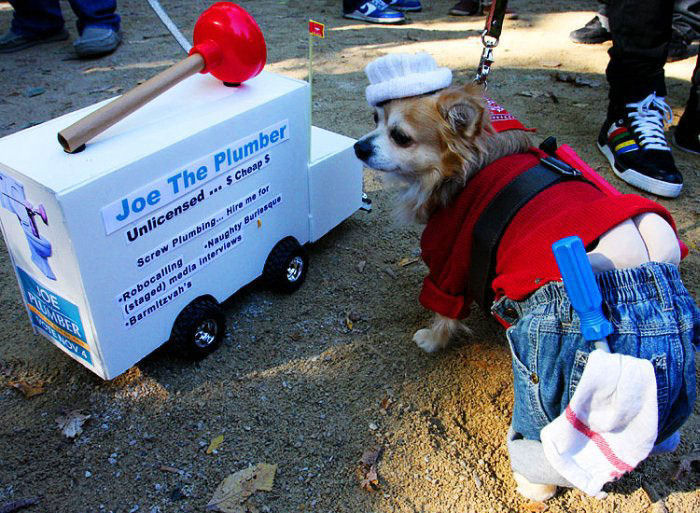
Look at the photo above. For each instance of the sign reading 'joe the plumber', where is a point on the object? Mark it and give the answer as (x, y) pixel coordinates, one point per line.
(155, 195)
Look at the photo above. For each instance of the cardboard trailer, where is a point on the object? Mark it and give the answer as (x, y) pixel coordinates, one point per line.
(138, 238)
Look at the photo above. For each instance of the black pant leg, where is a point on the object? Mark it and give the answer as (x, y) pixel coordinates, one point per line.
(351, 5)
(692, 108)
(641, 30)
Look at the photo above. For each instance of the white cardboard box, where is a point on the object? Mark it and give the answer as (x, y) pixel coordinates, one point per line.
(184, 198)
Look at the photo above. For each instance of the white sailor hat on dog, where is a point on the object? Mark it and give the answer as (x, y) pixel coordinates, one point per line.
(403, 75)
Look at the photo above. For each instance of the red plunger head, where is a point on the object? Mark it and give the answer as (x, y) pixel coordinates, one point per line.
(231, 43)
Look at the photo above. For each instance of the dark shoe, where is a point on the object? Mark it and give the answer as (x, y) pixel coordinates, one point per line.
(96, 41)
(466, 8)
(376, 11)
(636, 147)
(679, 47)
(405, 5)
(592, 33)
(687, 135)
(11, 42)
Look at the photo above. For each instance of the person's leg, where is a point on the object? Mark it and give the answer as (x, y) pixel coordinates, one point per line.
(98, 25)
(96, 13)
(640, 33)
(687, 135)
(632, 137)
(351, 5)
(34, 22)
(36, 18)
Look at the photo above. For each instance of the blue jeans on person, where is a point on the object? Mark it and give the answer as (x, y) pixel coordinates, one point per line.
(654, 318)
(43, 17)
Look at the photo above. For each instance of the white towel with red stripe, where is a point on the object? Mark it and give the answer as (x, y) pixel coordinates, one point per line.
(609, 426)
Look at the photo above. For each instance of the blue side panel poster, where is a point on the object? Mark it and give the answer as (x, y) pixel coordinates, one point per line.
(55, 317)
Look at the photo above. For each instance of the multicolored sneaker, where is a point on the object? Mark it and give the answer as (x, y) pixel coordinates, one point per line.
(405, 5)
(636, 147)
(376, 11)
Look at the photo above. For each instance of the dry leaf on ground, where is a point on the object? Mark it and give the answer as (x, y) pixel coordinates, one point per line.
(536, 507)
(385, 405)
(371, 456)
(576, 80)
(215, 444)
(369, 479)
(530, 94)
(71, 424)
(28, 391)
(406, 261)
(348, 321)
(232, 492)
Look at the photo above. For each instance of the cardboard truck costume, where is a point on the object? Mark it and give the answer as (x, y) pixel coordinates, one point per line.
(136, 240)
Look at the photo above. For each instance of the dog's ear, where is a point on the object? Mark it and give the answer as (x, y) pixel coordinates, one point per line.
(464, 109)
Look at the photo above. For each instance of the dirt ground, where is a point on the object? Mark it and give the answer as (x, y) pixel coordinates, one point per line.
(293, 385)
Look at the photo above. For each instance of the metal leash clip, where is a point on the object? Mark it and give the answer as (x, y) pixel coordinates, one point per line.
(489, 38)
(486, 60)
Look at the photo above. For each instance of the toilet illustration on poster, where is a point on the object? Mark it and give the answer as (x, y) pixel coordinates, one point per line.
(12, 198)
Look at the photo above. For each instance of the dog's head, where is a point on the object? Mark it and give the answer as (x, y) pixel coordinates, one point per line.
(426, 134)
(430, 136)
(431, 143)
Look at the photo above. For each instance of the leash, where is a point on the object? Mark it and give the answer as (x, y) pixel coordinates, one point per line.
(489, 38)
(170, 25)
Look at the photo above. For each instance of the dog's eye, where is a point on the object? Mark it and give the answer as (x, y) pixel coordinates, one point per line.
(400, 138)
(376, 117)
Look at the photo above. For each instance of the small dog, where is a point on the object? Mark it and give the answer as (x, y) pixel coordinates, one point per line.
(431, 145)
(432, 139)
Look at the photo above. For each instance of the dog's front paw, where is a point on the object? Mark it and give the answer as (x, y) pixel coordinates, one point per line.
(534, 491)
(426, 340)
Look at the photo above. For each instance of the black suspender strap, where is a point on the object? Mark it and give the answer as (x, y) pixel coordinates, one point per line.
(498, 214)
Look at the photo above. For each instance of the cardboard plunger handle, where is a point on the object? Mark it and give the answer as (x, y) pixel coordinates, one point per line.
(75, 136)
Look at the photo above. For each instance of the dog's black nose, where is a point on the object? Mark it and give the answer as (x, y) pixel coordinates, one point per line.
(364, 148)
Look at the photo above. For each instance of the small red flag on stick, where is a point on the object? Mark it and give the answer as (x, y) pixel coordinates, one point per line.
(316, 29)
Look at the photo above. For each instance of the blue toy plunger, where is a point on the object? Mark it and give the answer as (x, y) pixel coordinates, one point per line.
(583, 291)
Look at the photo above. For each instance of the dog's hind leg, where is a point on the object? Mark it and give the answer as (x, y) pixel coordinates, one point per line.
(438, 336)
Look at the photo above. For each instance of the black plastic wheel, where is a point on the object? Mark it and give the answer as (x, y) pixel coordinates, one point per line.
(199, 329)
(286, 266)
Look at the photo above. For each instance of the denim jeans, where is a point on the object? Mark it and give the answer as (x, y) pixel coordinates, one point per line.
(40, 17)
(653, 317)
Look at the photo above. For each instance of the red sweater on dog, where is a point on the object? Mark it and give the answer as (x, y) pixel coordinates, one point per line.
(524, 258)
